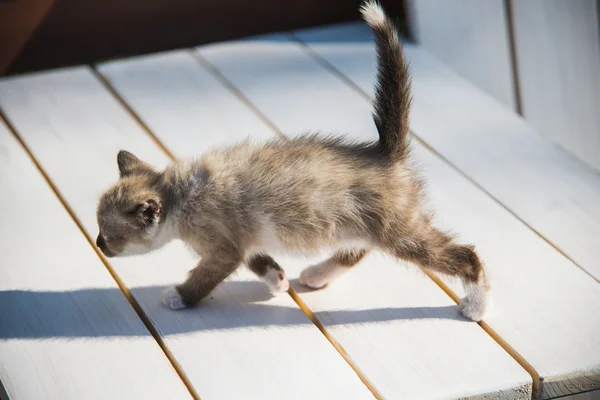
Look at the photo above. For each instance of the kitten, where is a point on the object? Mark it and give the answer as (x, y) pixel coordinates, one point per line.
(240, 204)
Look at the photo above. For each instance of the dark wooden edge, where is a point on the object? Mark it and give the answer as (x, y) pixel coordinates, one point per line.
(83, 32)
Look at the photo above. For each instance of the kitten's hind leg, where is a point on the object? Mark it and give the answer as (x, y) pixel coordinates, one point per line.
(269, 271)
(201, 280)
(319, 275)
(435, 251)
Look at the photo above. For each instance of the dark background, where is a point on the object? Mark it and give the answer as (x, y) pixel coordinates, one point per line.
(42, 34)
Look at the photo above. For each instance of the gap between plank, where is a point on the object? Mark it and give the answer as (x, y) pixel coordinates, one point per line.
(124, 289)
(536, 379)
(3, 392)
(291, 292)
(131, 113)
(512, 48)
(225, 82)
(333, 342)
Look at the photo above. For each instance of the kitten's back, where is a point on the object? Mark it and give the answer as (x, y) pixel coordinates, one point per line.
(312, 192)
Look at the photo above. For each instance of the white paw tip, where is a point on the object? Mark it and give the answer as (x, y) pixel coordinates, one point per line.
(311, 278)
(302, 279)
(472, 310)
(172, 299)
(279, 287)
(283, 287)
(277, 281)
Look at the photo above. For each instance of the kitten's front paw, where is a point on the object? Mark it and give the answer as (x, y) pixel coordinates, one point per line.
(172, 299)
(276, 281)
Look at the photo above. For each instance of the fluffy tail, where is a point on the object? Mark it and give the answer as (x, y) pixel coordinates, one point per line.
(392, 91)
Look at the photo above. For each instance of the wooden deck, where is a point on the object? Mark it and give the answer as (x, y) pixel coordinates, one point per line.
(74, 325)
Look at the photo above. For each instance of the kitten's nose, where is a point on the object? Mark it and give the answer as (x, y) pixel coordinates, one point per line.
(100, 242)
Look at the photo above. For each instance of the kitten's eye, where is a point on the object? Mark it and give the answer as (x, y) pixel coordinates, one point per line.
(138, 209)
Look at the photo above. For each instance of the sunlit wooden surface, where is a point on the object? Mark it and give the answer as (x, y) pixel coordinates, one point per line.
(69, 329)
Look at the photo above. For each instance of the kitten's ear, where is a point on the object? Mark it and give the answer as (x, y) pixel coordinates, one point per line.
(148, 212)
(128, 163)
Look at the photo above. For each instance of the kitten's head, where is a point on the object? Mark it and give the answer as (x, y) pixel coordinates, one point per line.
(129, 213)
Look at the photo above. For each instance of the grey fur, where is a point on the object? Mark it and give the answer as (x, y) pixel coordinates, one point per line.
(300, 195)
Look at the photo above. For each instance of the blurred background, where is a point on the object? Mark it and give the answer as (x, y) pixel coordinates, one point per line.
(539, 57)
(47, 33)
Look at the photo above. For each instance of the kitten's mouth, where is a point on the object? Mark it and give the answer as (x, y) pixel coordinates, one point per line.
(108, 253)
(101, 244)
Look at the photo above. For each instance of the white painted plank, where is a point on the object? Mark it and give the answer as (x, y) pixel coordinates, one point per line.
(177, 98)
(402, 331)
(558, 59)
(66, 330)
(471, 37)
(546, 307)
(240, 343)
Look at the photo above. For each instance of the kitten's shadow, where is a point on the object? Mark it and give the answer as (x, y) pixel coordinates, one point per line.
(104, 312)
